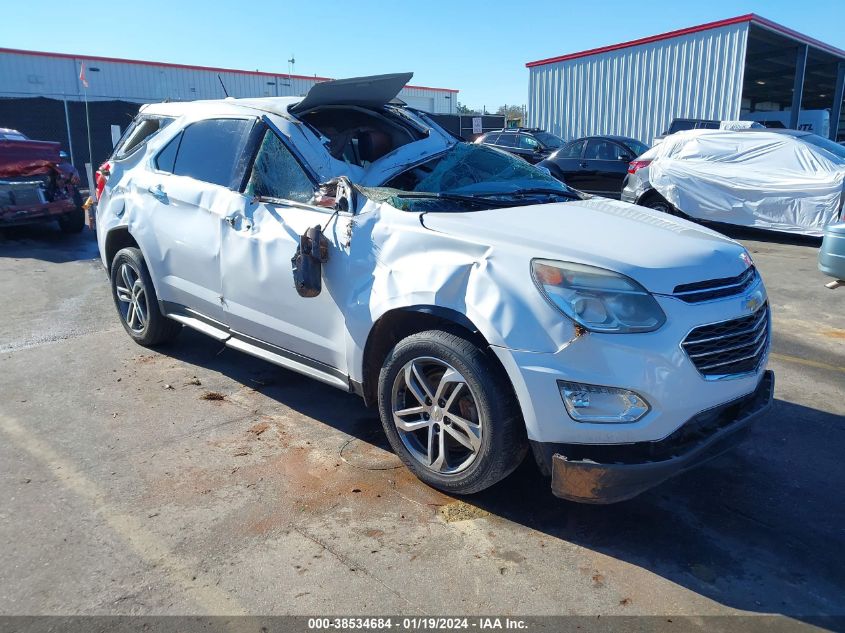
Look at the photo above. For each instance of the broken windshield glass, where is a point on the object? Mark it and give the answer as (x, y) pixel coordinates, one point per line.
(474, 176)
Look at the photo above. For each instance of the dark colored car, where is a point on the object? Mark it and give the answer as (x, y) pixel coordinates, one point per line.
(37, 183)
(532, 144)
(679, 125)
(595, 164)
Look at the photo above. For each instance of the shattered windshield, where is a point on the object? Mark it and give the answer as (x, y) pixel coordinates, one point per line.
(473, 176)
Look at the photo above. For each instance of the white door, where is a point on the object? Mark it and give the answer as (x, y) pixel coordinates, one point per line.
(186, 200)
(180, 238)
(260, 299)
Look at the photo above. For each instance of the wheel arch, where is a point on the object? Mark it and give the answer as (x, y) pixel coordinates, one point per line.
(647, 195)
(653, 194)
(117, 238)
(121, 237)
(401, 322)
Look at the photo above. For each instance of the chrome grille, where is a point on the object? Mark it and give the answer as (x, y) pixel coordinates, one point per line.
(731, 347)
(21, 193)
(716, 288)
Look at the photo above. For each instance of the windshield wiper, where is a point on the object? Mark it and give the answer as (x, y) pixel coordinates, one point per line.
(473, 199)
(530, 192)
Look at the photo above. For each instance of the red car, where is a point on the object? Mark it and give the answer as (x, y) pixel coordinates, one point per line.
(37, 184)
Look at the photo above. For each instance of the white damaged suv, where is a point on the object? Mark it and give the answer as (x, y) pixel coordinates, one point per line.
(482, 305)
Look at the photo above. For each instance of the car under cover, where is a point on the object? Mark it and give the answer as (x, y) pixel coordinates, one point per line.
(751, 178)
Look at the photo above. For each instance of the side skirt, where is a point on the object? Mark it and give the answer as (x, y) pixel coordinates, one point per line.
(260, 349)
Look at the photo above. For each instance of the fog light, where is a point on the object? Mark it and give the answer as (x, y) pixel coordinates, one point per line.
(601, 405)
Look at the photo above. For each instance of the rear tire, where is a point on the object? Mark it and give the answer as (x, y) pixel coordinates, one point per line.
(659, 203)
(461, 430)
(136, 301)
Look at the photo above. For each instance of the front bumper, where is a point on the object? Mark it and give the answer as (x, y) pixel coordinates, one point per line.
(14, 216)
(608, 474)
(832, 251)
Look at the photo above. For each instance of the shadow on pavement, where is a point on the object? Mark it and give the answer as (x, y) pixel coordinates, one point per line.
(758, 529)
(46, 242)
(763, 235)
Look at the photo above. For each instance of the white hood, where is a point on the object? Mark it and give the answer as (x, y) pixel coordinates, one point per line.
(658, 251)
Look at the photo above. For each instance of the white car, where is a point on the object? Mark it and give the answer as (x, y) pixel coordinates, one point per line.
(774, 179)
(482, 305)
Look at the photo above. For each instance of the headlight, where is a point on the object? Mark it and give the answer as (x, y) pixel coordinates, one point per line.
(598, 299)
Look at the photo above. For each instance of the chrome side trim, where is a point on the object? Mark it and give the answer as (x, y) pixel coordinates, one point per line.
(255, 347)
(287, 362)
(200, 326)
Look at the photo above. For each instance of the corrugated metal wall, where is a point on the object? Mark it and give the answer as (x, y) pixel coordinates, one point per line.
(26, 75)
(637, 91)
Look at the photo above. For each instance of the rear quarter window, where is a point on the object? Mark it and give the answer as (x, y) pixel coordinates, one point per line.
(139, 132)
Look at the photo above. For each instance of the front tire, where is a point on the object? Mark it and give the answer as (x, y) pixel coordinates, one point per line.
(450, 413)
(136, 302)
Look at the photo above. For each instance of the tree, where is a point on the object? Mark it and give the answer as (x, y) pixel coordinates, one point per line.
(463, 109)
(513, 113)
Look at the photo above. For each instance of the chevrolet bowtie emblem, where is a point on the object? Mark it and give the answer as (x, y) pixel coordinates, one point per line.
(752, 302)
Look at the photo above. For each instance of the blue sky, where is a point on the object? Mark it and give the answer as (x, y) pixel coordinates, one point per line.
(479, 48)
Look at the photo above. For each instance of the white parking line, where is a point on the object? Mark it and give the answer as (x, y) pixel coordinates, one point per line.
(806, 362)
(149, 547)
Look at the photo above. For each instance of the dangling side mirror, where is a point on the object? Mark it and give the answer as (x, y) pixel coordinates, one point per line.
(307, 262)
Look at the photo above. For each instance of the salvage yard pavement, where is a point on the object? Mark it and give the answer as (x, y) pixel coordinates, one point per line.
(193, 479)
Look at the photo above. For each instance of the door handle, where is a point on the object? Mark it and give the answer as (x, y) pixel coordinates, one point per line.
(157, 192)
(583, 164)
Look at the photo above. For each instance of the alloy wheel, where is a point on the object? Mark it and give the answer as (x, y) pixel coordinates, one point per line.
(132, 298)
(436, 415)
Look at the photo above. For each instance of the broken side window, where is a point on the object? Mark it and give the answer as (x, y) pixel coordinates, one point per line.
(277, 174)
(142, 129)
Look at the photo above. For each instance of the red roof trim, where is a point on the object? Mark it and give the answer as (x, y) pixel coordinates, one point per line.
(430, 88)
(774, 26)
(750, 17)
(120, 60)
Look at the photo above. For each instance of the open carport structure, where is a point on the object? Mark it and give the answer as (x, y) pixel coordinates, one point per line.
(722, 70)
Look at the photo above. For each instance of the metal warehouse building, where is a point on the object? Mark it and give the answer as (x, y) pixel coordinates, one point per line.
(722, 70)
(42, 96)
